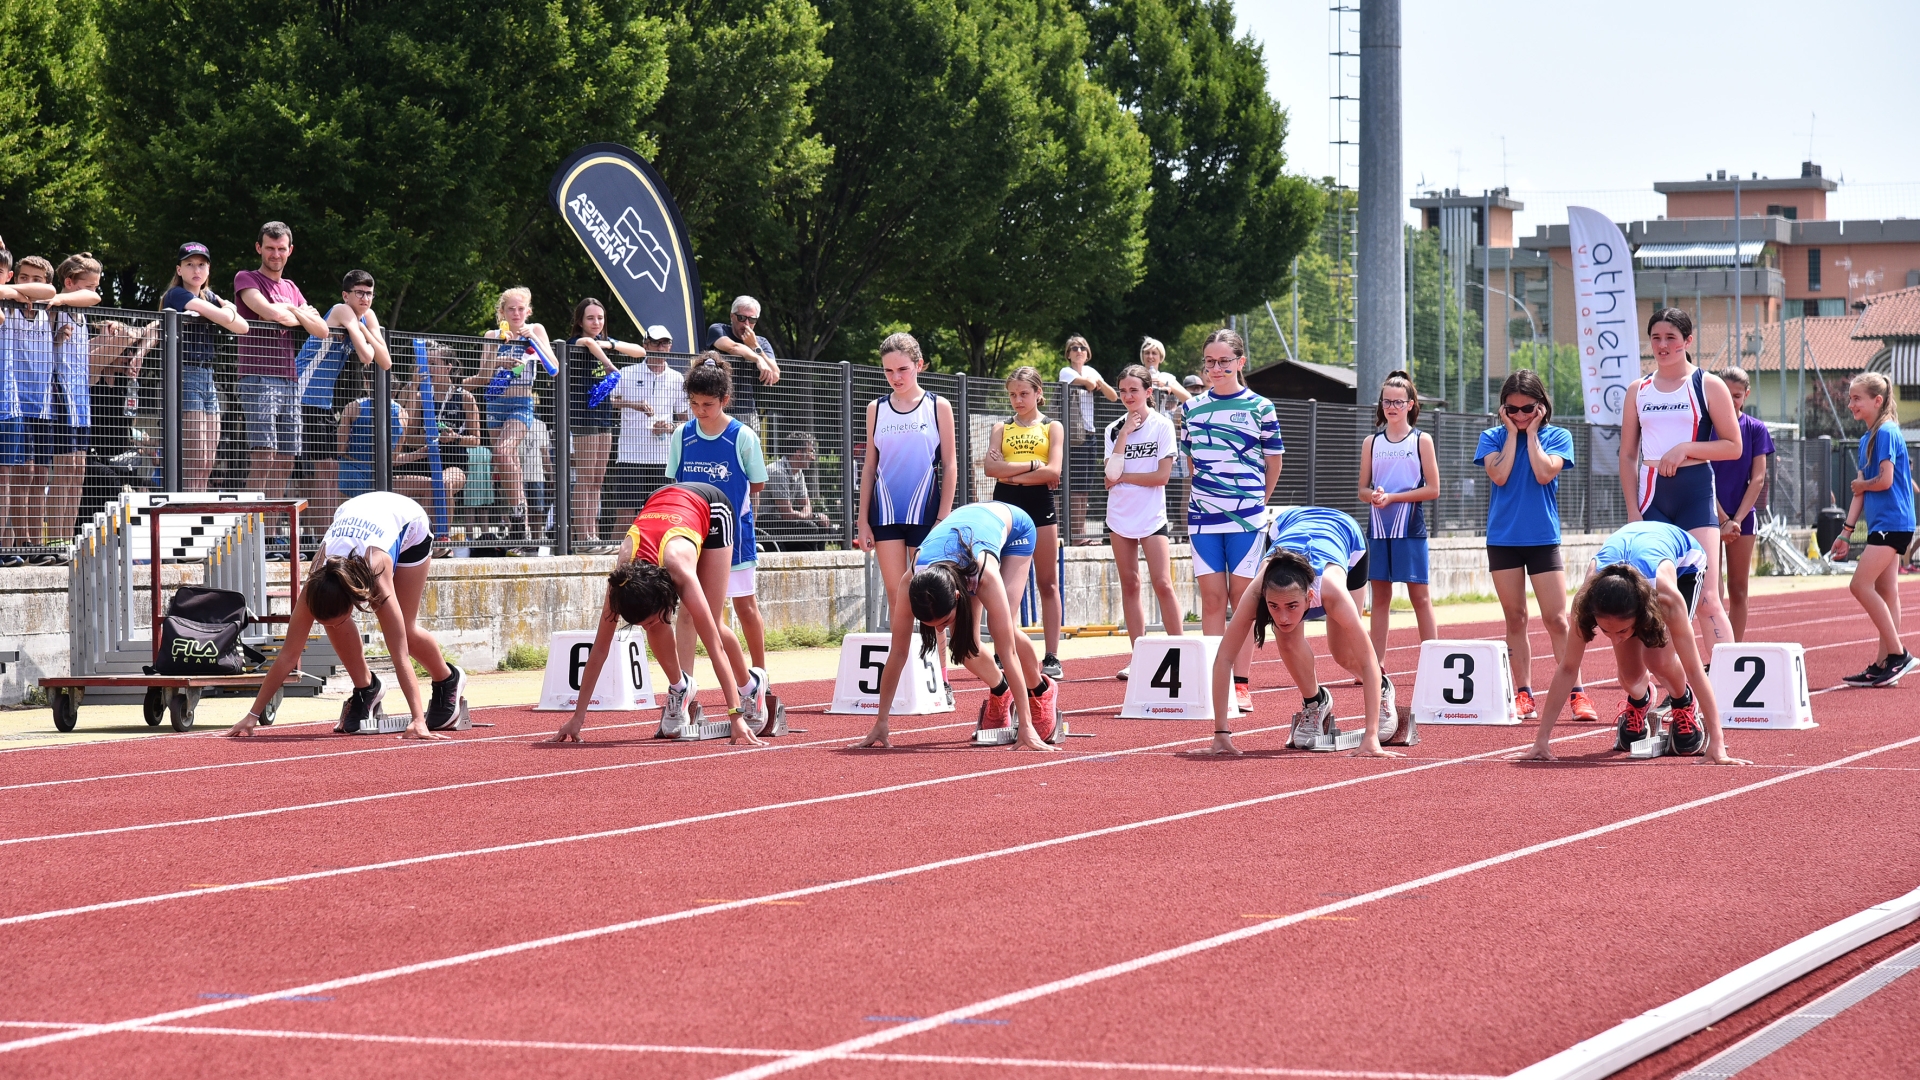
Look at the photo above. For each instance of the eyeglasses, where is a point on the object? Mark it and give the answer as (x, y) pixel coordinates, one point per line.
(1390, 403)
(1520, 410)
(1214, 361)
(364, 294)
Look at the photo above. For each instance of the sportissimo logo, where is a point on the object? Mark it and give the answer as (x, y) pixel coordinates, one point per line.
(1167, 710)
(624, 241)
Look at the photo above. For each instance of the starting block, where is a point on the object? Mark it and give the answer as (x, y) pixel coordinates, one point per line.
(856, 688)
(381, 723)
(1172, 679)
(1463, 682)
(626, 679)
(1004, 736)
(1657, 741)
(1762, 686)
(698, 728)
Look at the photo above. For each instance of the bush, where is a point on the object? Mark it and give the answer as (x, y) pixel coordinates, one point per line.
(524, 657)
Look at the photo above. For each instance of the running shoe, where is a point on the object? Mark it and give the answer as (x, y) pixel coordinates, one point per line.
(1870, 677)
(1582, 707)
(358, 708)
(673, 714)
(1523, 706)
(752, 697)
(1389, 710)
(1631, 723)
(1124, 672)
(1311, 721)
(1893, 667)
(444, 707)
(1685, 736)
(948, 687)
(1243, 697)
(1043, 706)
(1050, 667)
(996, 709)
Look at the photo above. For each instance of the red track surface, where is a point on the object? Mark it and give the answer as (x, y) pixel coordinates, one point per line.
(736, 906)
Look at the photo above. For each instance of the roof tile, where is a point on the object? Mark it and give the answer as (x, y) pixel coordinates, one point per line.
(1891, 314)
(1832, 345)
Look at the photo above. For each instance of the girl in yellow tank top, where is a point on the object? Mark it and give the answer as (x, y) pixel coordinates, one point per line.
(1024, 457)
(1021, 444)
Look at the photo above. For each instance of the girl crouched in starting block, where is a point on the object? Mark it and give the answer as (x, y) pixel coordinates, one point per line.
(373, 558)
(1640, 591)
(960, 572)
(678, 551)
(1317, 565)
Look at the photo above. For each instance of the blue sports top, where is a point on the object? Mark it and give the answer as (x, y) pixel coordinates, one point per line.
(319, 364)
(1890, 510)
(1644, 545)
(731, 461)
(1523, 512)
(905, 480)
(982, 528)
(1396, 469)
(1327, 537)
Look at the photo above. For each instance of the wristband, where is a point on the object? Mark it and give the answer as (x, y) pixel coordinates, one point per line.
(1223, 731)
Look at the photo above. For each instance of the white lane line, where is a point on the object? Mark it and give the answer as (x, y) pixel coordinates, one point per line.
(730, 905)
(1125, 967)
(602, 834)
(619, 766)
(176, 738)
(758, 1052)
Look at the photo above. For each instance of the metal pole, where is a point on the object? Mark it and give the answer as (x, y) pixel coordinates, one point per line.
(1380, 295)
(1296, 298)
(1440, 305)
(1825, 494)
(1486, 282)
(1313, 449)
(1802, 406)
(563, 450)
(1071, 423)
(850, 499)
(962, 446)
(380, 427)
(171, 429)
(1737, 298)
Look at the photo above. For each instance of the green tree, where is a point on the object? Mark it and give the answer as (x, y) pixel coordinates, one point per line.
(50, 191)
(1070, 228)
(1226, 219)
(413, 139)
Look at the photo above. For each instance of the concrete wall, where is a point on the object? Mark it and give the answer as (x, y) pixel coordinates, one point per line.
(479, 607)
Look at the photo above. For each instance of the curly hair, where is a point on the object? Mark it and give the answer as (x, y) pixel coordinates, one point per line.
(640, 590)
(710, 377)
(1284, 570)
(1620, 592)
(339, 584)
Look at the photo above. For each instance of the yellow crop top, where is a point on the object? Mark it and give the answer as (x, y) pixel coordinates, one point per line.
(1021, 444)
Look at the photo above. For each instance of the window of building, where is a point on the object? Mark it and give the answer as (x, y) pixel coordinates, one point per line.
(1791, 213)
(1811, 308)
(1813, 269)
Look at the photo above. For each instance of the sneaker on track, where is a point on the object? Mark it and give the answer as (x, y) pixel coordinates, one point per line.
(1868, 677)
(1124, 673)
(358, 708)
(1389, 710)
(1243, 697)
(1631, 723)
(1523, 706)
(1050, 667)
(753, 697)
(673, 713)
(444, 706)
(1583, 708)
(994, 712)
(1311, 721)
(1893, 667)
(1685, 736)
(1043, 706)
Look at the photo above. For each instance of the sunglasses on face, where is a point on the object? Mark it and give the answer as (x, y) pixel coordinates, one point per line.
(1520, 410)
(1076, 348)
(748, 319)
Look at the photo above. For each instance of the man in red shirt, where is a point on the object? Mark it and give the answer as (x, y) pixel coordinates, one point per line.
(269, 384)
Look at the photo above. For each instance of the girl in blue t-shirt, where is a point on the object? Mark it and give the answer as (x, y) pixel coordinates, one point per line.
(1884, 494)
(201, 310)
(1523, 458)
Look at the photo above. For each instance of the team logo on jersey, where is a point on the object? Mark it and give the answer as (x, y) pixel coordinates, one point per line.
(1136, 451)
(715, 472)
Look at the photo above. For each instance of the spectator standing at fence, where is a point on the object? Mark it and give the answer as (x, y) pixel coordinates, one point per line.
(907, 475)
(1234, 451)
(536, 464)
(1399, 471)
(715, 448)
(30, 335)
(203, 315)
(787, 501)
(1883, 497)
(269, 375)
(1673, 425)
(592, 426)
(116, 458)
(456, 424)
(1169, 398)
(1024, 457)
(1523, 457)
(66, 432)
(1738, 485)
(1141, 448)
(510, 408)
(20, 481)
(751, 354)
(1083, 438)
(652, 400)
(328, 383)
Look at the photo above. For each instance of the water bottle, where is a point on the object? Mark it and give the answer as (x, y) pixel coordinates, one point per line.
(133, 398)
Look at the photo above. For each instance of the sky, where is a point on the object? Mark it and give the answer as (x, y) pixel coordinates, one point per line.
(1590, 104)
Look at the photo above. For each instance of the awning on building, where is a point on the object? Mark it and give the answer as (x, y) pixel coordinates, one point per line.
(1662, 256)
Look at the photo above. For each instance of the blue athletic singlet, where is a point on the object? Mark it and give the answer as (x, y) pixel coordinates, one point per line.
(906, 480)
(1644, 545)
(1396, 468)
(320, 362)
(1327, 537)
(982, 529)
(716, 461)
(1667, 419)
(356, 469)
(73, 367)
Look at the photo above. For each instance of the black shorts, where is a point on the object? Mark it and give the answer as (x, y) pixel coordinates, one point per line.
(1898, 541)
(1535, 558)
(914, 535)
(319, 434)
(720, 523)
(416, 554)
(1689, 585)
(1036, 499)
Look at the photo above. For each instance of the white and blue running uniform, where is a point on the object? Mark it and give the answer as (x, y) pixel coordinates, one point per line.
(906, 478)
(731, 461)
(1644, 545)
(383, 521)
(1229, 438)
(1327, 538)
(319, 364)
(988, 528)
(1397, 532)
(1667, 419)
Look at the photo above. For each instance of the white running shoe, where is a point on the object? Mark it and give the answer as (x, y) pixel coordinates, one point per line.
(673, 714)
(1311, 721)
(1389, 710)
(753, 696)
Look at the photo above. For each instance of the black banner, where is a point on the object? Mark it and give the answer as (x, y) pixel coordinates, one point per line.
(625, 217)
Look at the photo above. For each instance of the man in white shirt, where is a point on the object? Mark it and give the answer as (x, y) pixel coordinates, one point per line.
(1084, 464)
(652, 400)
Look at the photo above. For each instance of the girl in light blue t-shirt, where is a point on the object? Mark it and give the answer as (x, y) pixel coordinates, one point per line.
(1884, 496)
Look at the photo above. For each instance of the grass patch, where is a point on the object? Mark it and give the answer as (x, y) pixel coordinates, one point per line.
(36, 697)
(804, 637)
(524, 657)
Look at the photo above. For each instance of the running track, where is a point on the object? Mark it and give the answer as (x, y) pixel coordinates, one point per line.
(308, 905)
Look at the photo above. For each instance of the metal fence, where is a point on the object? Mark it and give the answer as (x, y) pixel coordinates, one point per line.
(115, 400)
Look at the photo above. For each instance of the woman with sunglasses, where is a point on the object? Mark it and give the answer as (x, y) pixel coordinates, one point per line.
(1523, 457)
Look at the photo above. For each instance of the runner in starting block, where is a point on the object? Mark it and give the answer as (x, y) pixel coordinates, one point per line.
(678, 551)
(958, 576)
(1317, 566)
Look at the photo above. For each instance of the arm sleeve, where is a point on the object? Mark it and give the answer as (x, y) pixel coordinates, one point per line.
(1762, 440)
(1107, 437)
(1491, 441)
(753, 461)
(1559, 442)
(673, 452)
(1166, 440)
